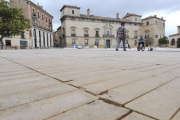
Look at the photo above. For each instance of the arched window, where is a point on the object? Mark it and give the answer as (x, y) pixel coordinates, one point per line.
(147, 34)
(172, 42)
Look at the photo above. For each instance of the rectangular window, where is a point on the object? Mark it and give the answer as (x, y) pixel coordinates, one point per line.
(97, 33)
(46, 19)
(86, 32)
(86, 42)
(22, 36)
(135, 35)
(73, 32)
(38, 15)
(135, 19)
(107, 33)
(73, 41)
(8, 43)
(163, 24)
(147, 22)
(72, 11)
(42, 17)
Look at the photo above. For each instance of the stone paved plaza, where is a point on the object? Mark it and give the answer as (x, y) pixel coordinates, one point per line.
(70, 84)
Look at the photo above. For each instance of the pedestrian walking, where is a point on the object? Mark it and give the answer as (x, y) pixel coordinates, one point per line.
(121, 31)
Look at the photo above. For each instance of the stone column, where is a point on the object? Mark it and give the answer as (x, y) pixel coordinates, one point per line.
(32, 38)
(37, 37)
(45, 34)
(49, 40)
(42, 44)
(52, 41)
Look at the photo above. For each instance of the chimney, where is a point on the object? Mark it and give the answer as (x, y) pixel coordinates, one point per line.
(88, 12)
(179, 29)
(117, 15)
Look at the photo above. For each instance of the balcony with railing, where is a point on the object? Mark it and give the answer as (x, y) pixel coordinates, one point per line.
(34, 14)
(146, 36)
(108, 36)
(73, 34)
(135, 37)
(97, 36)
(86, 35)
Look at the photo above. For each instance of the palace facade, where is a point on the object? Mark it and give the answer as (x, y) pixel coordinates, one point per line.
(94, 31)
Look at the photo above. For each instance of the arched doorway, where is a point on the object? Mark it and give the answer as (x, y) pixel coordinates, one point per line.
(172, 42)
(178, 43)
(108, 43)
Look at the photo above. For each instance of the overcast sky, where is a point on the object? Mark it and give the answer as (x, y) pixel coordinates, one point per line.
(168, 9)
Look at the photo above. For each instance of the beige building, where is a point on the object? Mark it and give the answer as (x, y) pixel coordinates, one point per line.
(40, 35)
(175, 39)
(57, 42)
(93, 31)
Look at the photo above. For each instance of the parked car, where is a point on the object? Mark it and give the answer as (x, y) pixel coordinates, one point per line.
(127, 46)
(74, 46)
(79, 47)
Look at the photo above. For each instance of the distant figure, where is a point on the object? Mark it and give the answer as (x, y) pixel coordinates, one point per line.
(121, 31)
(141, 41)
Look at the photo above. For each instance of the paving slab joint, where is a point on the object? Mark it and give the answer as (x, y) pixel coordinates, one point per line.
(142, 113)
(111, 102)
(125, 115)
(175, 114)
(151, 90)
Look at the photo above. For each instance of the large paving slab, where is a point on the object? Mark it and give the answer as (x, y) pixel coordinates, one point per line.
(15, 88)
(127, 93)
(161, 103)
(97, 110)
(33, 95)
(48, 107)
(102, 86)
(136, 116)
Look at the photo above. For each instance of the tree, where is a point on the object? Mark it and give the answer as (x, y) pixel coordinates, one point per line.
(12, 21)
(163, 41)
(149, 42)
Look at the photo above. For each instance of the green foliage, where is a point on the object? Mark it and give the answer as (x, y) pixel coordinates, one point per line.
(163, 41)
(12, 21)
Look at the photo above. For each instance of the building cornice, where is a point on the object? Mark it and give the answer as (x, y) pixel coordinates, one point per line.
(99, 19)
(68, 6)
(174, 35)
(153, 17)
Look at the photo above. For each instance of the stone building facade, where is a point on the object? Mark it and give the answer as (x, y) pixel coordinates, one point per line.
(93, 31)
(40, 34)
(175, 39)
